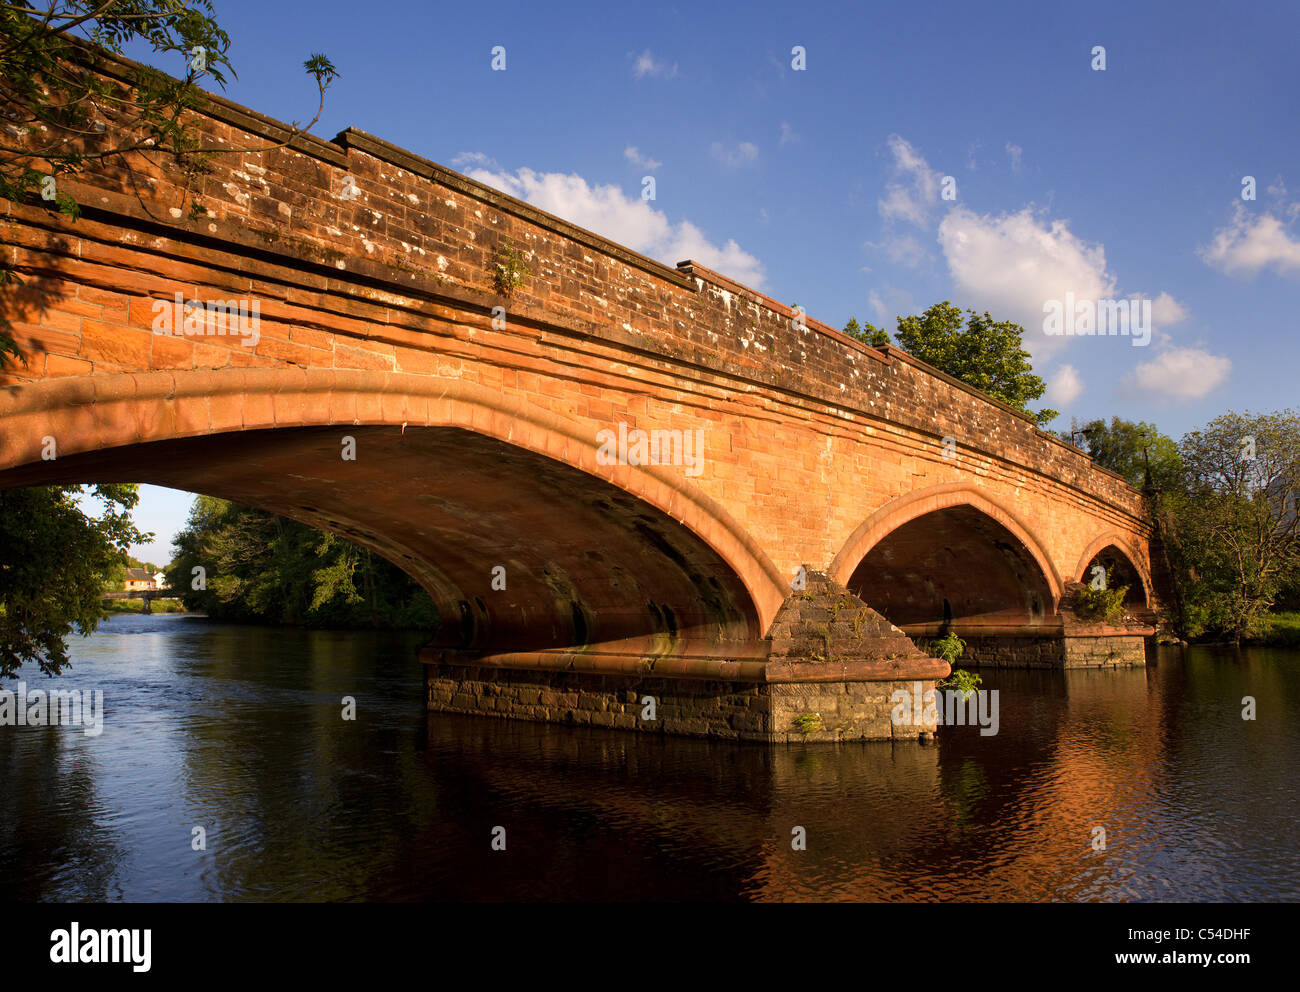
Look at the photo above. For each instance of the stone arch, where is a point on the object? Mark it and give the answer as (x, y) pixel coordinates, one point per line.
(1125, 551)
(100, 412)
(899, 512)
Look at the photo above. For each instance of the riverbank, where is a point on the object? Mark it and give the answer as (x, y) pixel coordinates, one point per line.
(115, 607)
(1280, 630)
(1283, 631)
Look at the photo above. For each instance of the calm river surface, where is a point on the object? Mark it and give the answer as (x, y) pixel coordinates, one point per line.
(239, 730)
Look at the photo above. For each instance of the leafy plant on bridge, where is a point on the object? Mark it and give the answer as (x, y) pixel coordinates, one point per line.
(509, 268)
(1100, 604)
(61, 116)
(950, 647)
(808, 723)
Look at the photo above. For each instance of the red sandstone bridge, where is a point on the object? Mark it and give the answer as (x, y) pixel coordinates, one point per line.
(390, 392)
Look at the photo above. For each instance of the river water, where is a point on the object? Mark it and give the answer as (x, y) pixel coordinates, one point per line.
(240, 731)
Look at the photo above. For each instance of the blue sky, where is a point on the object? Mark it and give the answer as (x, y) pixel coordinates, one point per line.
(823, 186)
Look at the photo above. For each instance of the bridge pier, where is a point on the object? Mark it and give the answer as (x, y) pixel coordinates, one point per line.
(733, 710)
(827, 671)
(1118, 650)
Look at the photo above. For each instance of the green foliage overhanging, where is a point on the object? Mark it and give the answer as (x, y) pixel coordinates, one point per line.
(55, 560)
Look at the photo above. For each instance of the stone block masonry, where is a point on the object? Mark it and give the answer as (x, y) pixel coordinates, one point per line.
(740, 711)
(1053, 650)
(1109, 651)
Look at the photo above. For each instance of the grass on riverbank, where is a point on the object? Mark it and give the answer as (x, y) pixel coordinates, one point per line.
(117, 606)
(1283, 631)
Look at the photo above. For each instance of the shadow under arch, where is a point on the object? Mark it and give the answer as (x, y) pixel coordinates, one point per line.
(1132, 566)
(961, 508)
(411, 431)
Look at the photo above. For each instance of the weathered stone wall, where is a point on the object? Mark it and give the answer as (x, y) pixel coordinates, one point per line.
(689, 707)
(1112, 650)
(824, 632)
(732, 710)
(1109, 651)
(847, 711)
(1006, 651)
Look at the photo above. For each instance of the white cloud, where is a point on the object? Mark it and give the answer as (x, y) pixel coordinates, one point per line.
(629, 220)
(1166, 310)
(646, 64)
(1182, 373)
(1012, 263)
(911, 196)
(1064, 386)
(744, 152)
(1015, 153)
(1009, 264)
(633, 155)
(474, 159)
(878, 307)
(688, 241)
(787, 134)
(1245, 247)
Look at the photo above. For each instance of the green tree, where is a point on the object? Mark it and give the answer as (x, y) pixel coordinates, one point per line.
(54, 560)
(59, 116)
(978, 350)
(1232, 532)
(260, 567)
(867, 333)
(1129, 447)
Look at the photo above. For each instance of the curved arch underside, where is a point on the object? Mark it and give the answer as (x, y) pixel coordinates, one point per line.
(954, 564)
(585, 562)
